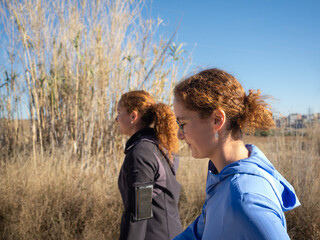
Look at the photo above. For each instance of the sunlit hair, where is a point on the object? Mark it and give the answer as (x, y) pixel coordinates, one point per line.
(157, 114)
(213, 88)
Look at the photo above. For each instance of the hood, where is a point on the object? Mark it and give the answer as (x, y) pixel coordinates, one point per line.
(257, 164)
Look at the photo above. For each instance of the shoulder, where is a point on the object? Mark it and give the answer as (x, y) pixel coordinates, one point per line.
(248, 204)
(253, 196)
(143, 153)
(246, 183)
(143, 148)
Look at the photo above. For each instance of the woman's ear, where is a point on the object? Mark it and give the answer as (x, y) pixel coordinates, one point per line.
(134, 116)
(219, 118)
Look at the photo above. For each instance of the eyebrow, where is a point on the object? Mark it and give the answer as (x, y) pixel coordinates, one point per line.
(181, 119)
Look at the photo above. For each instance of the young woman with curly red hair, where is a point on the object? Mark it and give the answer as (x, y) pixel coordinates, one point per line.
(245, 195)
(147, 179)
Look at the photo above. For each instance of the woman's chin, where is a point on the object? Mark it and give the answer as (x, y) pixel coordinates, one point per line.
(197, 155)
(194, 154)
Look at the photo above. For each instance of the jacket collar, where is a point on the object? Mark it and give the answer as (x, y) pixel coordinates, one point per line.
(143, 134)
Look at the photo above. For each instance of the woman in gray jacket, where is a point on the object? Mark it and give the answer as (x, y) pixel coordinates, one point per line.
(147, 179)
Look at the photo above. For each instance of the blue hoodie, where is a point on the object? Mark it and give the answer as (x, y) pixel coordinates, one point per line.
(246, 200)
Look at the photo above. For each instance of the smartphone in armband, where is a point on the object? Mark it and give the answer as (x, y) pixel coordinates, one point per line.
(143, 202)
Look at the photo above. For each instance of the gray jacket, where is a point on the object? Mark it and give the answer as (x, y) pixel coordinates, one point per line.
(144, 164)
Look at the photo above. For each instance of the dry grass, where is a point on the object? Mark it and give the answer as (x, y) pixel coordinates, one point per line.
(57, 199)
(192, 176)
(60, 198)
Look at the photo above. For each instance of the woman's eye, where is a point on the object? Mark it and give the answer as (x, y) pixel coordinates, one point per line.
(181, 125)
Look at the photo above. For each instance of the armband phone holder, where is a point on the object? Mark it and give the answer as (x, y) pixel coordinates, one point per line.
(143, 201)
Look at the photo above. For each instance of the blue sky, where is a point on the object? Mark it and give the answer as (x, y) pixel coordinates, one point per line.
(271, 45)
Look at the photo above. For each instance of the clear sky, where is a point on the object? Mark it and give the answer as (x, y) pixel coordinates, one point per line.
(271, 45)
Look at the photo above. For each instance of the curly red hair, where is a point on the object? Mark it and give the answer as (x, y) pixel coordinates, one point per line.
(157, 114)
(213, 88)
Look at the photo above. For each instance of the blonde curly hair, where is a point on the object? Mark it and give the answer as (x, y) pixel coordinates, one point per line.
(157, 114)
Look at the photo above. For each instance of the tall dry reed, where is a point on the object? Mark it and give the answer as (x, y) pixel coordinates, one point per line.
(66, 65)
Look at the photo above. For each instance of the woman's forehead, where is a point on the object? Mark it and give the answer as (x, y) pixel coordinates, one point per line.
(182, 113)
(120, 107)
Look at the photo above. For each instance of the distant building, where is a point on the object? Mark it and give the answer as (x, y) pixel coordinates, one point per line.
(280, 121)
(296, 120)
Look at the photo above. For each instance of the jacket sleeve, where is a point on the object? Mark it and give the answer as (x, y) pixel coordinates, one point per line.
(251, 217)
(194, 230)
(142, 170)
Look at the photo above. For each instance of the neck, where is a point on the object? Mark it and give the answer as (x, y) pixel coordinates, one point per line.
(137, 128)
(229, 152)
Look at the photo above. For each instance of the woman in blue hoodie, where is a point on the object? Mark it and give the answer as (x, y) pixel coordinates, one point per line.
(245, 195)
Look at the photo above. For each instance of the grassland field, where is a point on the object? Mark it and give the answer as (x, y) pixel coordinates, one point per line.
(57, 198)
